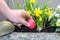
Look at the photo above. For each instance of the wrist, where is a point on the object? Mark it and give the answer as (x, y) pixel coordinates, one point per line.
(6, 12)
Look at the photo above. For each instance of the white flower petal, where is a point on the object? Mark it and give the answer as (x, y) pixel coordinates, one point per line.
(58, 6)
(58, 20)
(56, 15)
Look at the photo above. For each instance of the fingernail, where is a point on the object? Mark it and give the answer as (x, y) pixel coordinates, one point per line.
(28, 25)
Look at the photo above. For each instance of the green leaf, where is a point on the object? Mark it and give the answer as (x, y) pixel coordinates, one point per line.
(28, 5)
(45, 6)
(36, 5)
(57, 29)
(39, 24)
(53, 21)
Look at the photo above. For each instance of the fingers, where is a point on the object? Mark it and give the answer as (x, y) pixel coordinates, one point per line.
(26, 15)
(17, 24)
(22, 21)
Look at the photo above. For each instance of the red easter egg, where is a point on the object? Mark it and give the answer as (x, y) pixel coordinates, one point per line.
(32, 23)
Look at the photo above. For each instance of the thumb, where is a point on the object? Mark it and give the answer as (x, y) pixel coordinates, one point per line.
(27, 15)
(24, 23)
(17, 24)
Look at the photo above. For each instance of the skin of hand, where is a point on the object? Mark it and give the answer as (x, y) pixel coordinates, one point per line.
(15, 16)
(18, 17)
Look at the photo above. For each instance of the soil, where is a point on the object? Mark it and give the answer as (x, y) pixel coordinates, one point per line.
(26, 29)
(49, 29)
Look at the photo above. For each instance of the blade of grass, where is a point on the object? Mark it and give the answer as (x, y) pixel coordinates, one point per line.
(13, 4)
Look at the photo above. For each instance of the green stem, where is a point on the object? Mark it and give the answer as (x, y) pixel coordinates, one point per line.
(32, 7)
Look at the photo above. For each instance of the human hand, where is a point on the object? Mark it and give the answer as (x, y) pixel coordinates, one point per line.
(18, 17)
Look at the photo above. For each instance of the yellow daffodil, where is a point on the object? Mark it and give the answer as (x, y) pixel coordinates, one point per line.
(37, 12)
(58, 23)
(40, 19)
(33, 1)
(49, 13)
